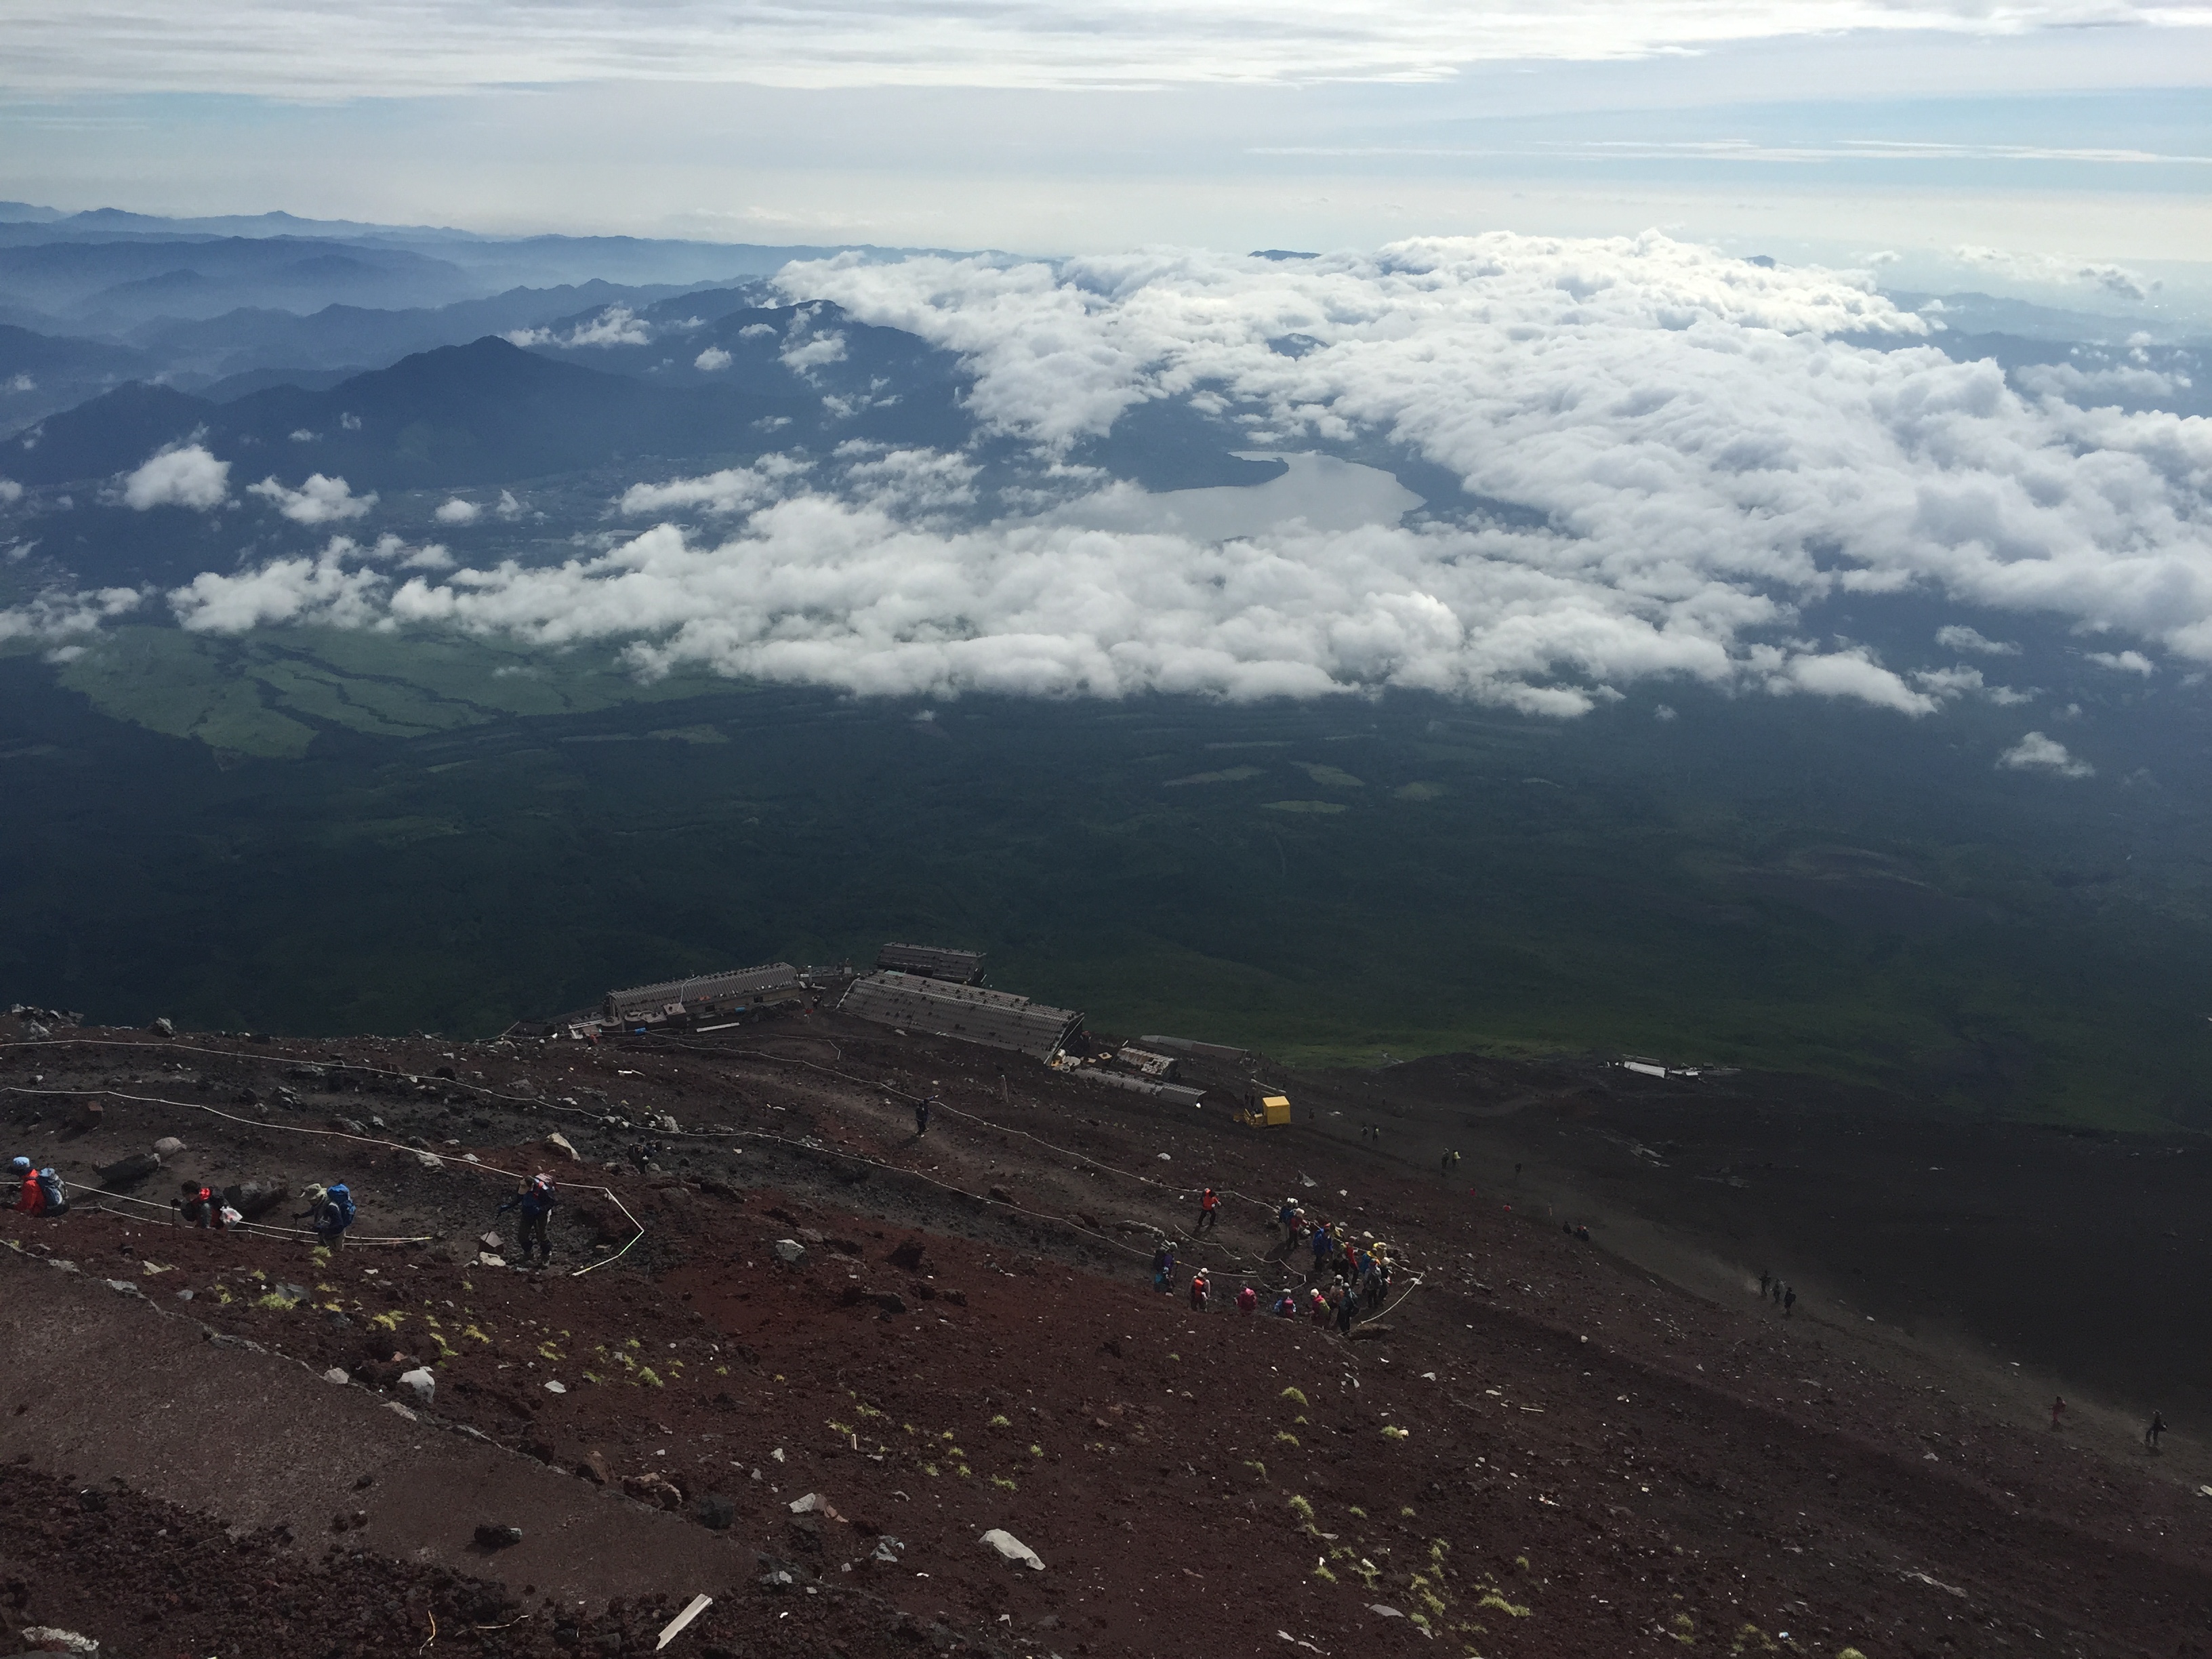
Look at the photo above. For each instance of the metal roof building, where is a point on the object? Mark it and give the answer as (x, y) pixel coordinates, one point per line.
(641, 1000)
(931, 961)
(999, 1019)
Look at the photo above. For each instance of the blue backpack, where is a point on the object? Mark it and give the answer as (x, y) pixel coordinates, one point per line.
(56, 1194)
(341, 1200)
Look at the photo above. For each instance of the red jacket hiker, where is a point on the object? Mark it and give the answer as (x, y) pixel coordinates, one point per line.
(1247, 1299)
(31, 1201)
(1198, 1291)
(1209, 1207)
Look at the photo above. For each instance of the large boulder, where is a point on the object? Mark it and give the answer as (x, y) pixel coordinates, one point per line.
(130, 1171)
(1011, 1550)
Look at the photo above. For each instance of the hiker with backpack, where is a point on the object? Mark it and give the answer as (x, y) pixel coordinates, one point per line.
(41, 1191)
(535, 1202)
(329, 1212)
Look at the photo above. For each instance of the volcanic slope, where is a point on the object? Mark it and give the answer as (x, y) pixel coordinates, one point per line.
(1535, 1449)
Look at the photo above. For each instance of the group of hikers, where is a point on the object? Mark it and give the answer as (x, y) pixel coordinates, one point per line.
(329, 1213)
(37, 1192)
(1350, 1276)
(1784, 1296)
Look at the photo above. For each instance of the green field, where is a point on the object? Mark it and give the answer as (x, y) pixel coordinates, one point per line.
(323, 832)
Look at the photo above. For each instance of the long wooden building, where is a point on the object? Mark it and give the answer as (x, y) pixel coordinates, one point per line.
(999, 1019)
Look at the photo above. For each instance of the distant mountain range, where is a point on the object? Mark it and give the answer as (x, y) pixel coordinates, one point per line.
(491, 412)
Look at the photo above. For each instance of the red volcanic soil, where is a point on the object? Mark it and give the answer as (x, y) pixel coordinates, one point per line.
(1538, 1449)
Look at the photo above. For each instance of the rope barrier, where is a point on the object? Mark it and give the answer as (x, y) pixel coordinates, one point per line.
(479, 1166)
(1235, 1256)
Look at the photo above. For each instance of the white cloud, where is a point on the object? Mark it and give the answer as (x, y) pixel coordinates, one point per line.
(440, 46)
(507, 507)
(735, 490)
(319, 500)
(714, 358)
(321, 589)
(617, 326)
(2037, 753)
(10, 492)
(1960, 637)
(1693, 457)
(303, 436)
(55, 614)
(754, 330)
(457, 510)
(20, 383)
(2086, 387)
(186, 477)
(821, 349)
(1964, 682)
(906, 481)
(1852, 674)
(2126, 662)
(2116, 280)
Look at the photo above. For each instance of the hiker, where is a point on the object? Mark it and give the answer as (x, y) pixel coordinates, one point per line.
(1287, 1305)
(535, 1202)
(921, 1109)
(328, 1215)
(1287, 1218)
(1321, 1245)
(2058, 1410)
(1764, 1279)
(2157, 1428)
(1164, 1267)
(1788, 1300)
(1778, 1292)
(1343, 1314)
(30, 1197)
(1247, 1298)
(199, 1206)
(1198, 1289)
(1318, 1308)
(1209, 1210)
(54, 1194)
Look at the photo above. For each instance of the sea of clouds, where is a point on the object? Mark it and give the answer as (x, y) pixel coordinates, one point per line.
(1694, 448)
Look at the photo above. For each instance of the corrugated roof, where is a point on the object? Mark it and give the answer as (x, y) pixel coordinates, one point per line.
(735, 982)
(997, 1019)
(931, 960)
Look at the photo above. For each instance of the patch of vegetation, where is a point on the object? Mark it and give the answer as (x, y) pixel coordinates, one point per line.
(1801, 888)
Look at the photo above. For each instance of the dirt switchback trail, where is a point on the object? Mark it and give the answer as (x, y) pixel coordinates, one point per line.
(840, 1352)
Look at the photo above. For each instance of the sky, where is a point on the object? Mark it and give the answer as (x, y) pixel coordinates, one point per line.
(2070, 132)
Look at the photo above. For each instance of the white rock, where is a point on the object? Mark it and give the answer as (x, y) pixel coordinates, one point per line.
(1011, 1548)
(337, 1374)
(486, 1258)
(419, 1381)
(430, 1160)
(551, 1387)
(47, 1638)
(394, 1406)
(167, 1146)
(558, 1142)
(790, 1250)
(1387, 1613)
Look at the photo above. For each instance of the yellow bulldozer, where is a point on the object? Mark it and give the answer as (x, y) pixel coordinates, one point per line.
(1265, 1111)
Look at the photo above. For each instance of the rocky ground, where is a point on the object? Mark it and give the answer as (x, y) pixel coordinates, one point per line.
(1540, 1447)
